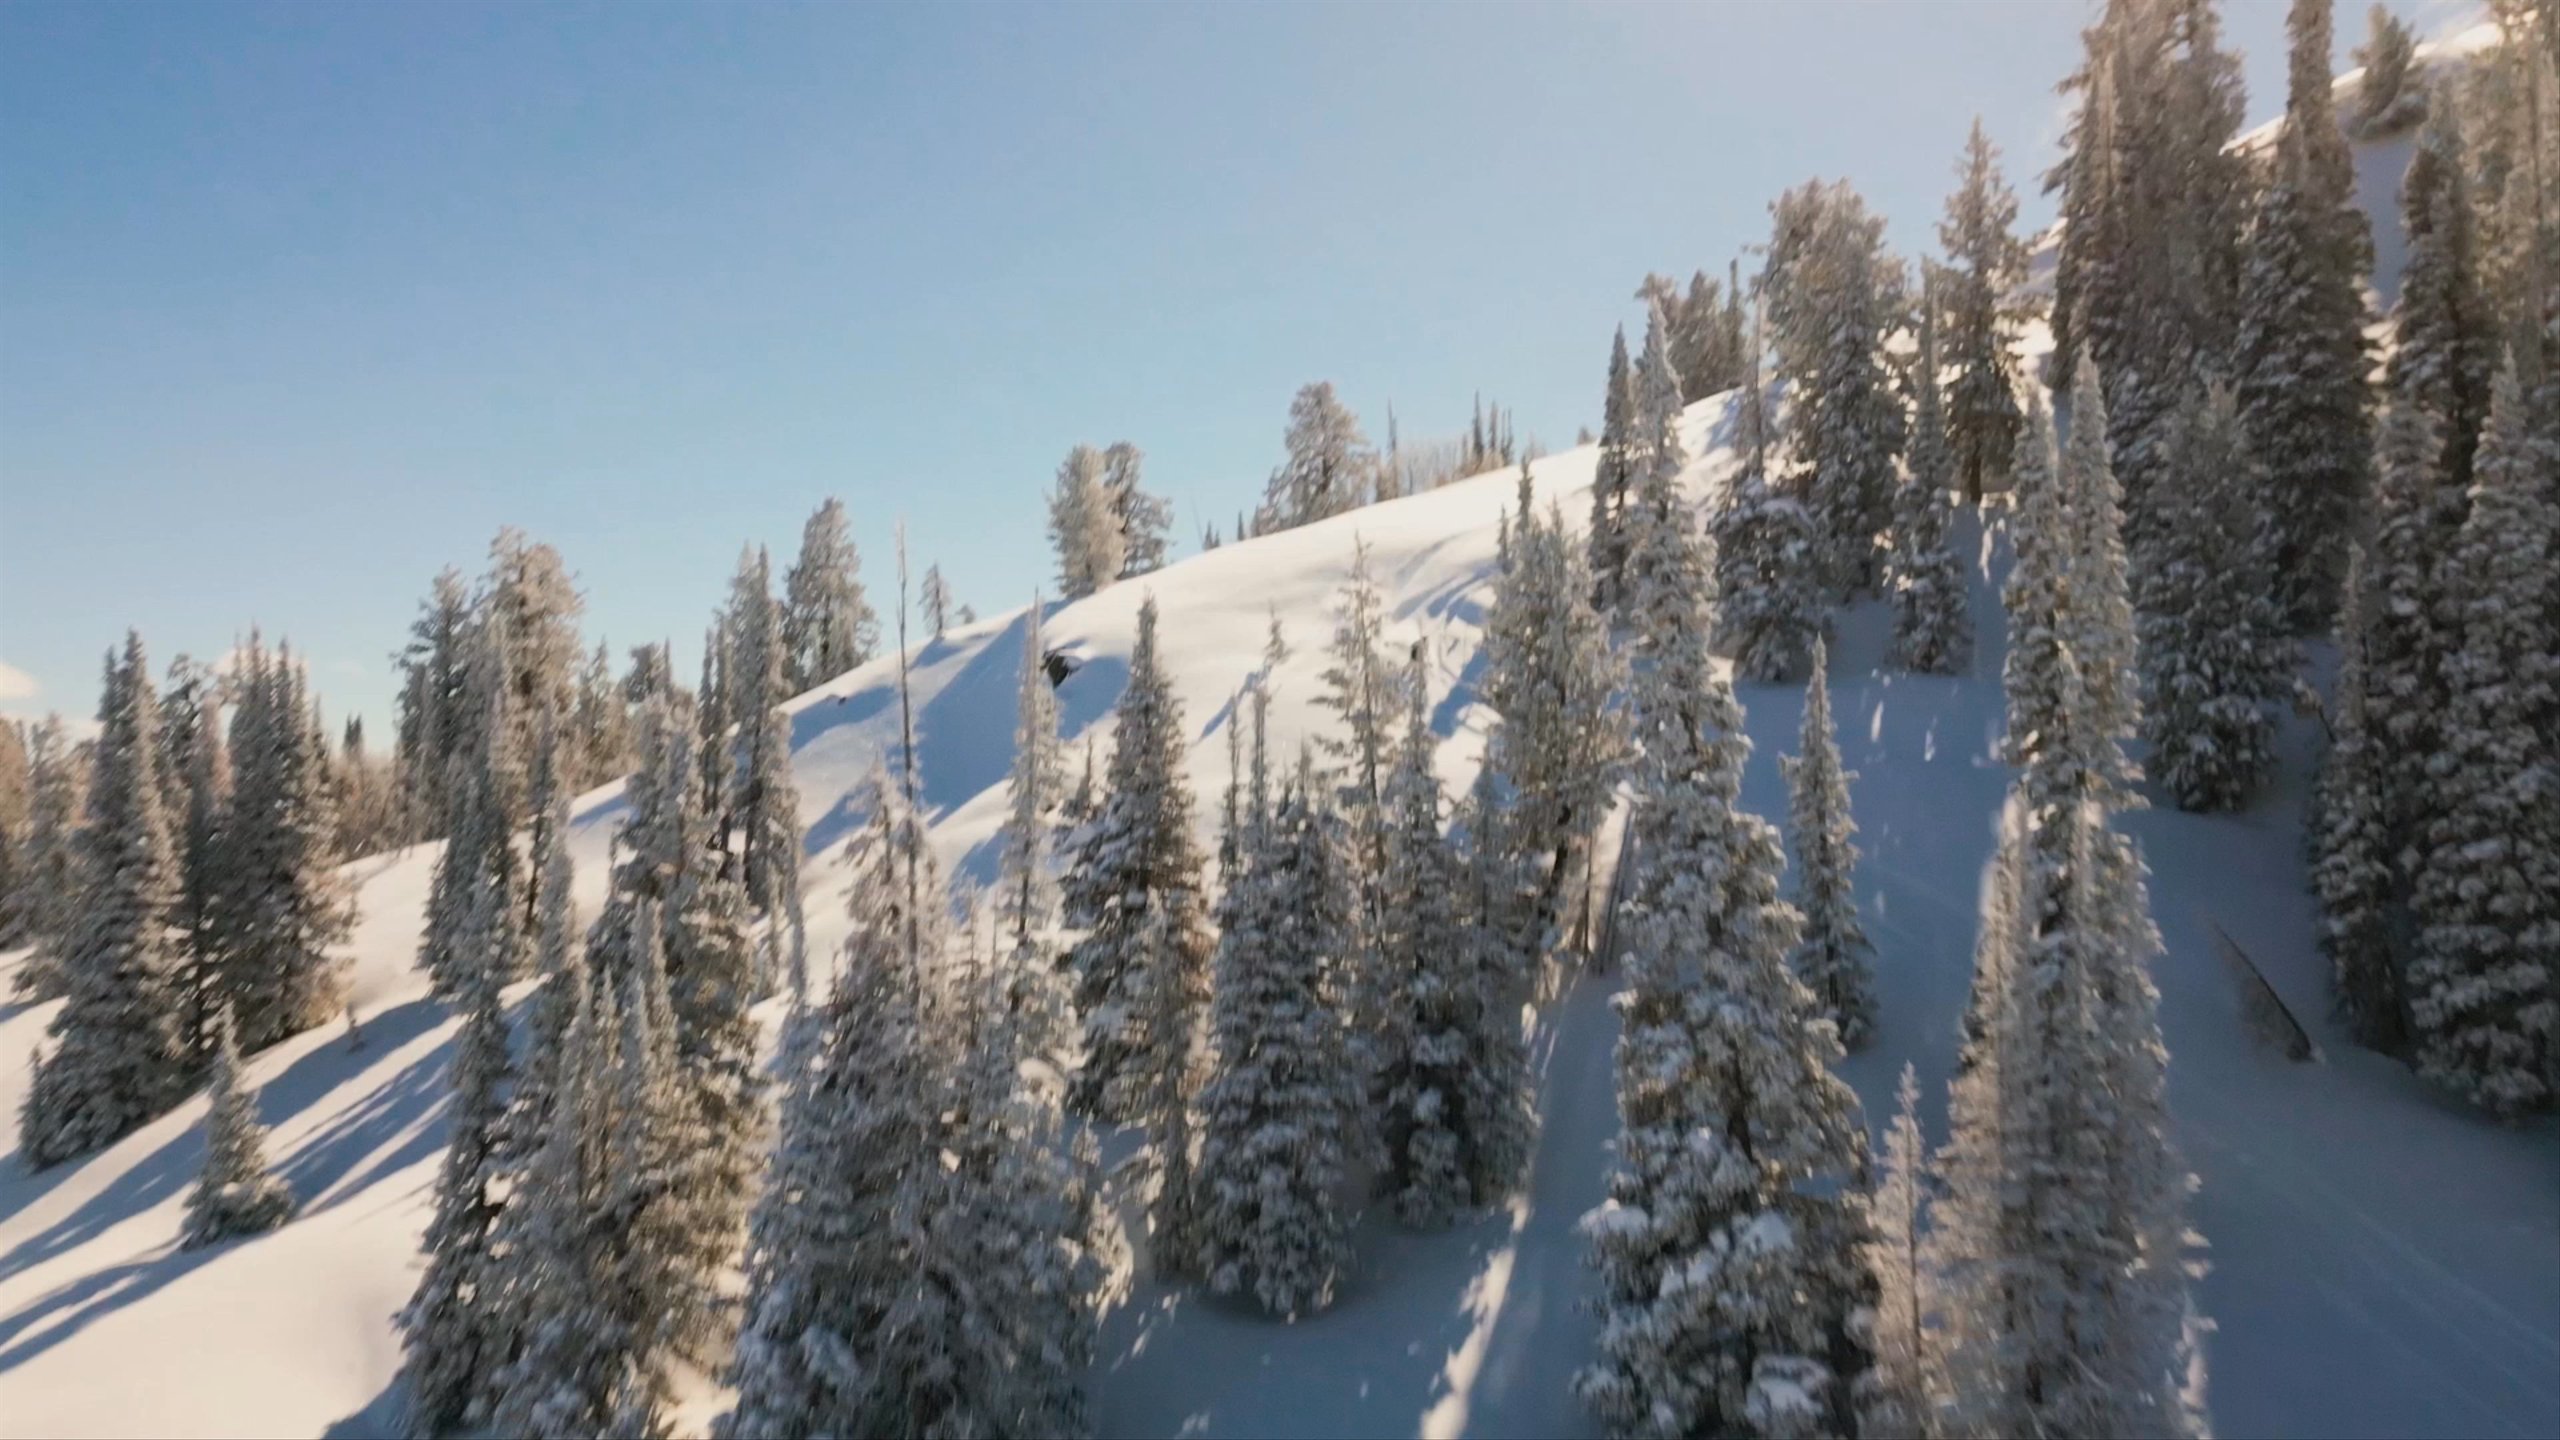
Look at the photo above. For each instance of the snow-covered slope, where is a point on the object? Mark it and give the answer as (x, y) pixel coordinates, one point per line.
(2384, 1262)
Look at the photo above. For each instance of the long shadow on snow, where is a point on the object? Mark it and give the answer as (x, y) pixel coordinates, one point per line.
(311, 1169)
(76, 1303)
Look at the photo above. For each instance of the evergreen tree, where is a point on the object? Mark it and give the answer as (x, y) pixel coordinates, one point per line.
(2100, 613)
(1360, 687)
(1026, 867)
(1457, 1125)
(1932, 618)
(1694, 332)
(828, 626)
(2351, 845)
(1727, 1251)
(1768, 603)
(14, 802)
(1614, 481)
(481, 834)
(1832, 299)
(767, 805)
(934, 596)
(528, 587)
(1833, 958)
(2488, 875)
(555, 917)
(2388, 98)
(1144, 519)
(830, 1252)
(1328, 463)
(1083, 527)
(713, 979)
(2215, 663)
(1134, 858)
(2408, 620)
(57, 800)
(2441, 331)
(203, 822)
(452, 1331)
(282, 909)
(436, 711)
(1557, 736)
(1908, 1384)
(234, 1194)
(2304, 400)
(1275, 1118)
(119, 1055)
(1985, 263)
(600, 729)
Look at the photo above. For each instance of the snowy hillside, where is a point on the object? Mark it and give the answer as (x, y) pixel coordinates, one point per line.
(2384, 1261)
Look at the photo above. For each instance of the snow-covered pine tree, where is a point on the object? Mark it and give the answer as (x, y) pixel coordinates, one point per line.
(827, 624)
(1932, 618)
(436, 714)
(282, 909)
(2351, 844)
(1693, 332)
(2304, 398)
(2216, 663)
(1985, 261)
(2487, 896)
(2040, 538)
(487, 769)
(1360, 687)
(1042, 1014)
(199, 815)
(1728, 1252)
(1458, 1119)
(1274, 1120)
(1903, 1391)
(569, 1368)
(669, 1221)
(1144, 519)
(1327, 467)
(768, 802)
(599, 730)
(2389, 100)
(453, 1332)
(2442, 334)
(1135, 857)
(2100, 609)
(13, 832)
(1557, 739)
(119, 1054)
(234, 1195)
(2408, 616)
(1833, 958)
(934, 598)
(529, 586)
(1832, 297)
(1768, 597)
(713, 978)
(57, 801)
(1614, 481)
(829, 1254)
(1083, 528)
(554, 931)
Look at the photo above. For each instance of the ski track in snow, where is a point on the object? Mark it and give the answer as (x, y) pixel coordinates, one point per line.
(2384, 1262)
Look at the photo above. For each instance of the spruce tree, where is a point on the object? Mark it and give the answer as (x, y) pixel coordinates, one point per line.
(768, 803)
(2303, 396)
(453, 1330)
(1360, 688)
(2408, 625)
(1768, 600)
(119, 1054)
(436, 710)
(1557, 737)
(2215, 662)
(828, 626)
(57, 801)
(1137, 856)
(2351, 844)
(1083, 528)
(1985, 262)
(831, 1249)
(2487, 894)
(2100, 613)
(1908, 1383)
(713, 978)
(555, 916)
(201, 817)
(1026, 866)
(1727, 1251)
(234, 1194)
(2441, 331)
(1832, 299)
(1614, 481)
(1328, 463)
(1275, 1122)
(281, 910)
(480, 837)
(1457, 1123)
(2388, 98)
(1833, 959)
(1143, 518)
(1932, 618)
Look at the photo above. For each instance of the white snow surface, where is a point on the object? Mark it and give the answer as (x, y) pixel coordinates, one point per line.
(2384, 1261)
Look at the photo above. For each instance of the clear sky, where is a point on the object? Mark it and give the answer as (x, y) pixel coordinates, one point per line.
(300, 303)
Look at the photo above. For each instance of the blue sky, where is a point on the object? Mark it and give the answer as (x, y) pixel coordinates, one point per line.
(299, 303)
